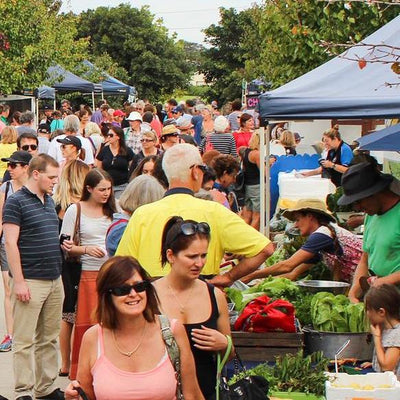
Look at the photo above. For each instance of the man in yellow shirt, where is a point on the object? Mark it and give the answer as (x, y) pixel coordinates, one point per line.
(183, 167)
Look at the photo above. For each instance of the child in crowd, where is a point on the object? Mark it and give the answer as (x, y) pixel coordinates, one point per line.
(383, 310)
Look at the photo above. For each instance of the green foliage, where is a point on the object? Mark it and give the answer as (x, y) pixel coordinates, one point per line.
(331, 313)
(156, 64)
(223, 63)
(284, 40)
(35, 37)
(292, 373)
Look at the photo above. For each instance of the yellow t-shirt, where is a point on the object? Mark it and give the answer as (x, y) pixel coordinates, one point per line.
(6, 149)
(229, 233)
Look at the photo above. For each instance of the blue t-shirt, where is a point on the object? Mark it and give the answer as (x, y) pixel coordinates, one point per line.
(346, 155)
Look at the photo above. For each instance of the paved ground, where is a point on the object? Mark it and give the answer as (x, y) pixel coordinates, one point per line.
(6, 363)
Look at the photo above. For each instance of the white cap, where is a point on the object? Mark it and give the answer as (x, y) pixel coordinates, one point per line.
(134, 116)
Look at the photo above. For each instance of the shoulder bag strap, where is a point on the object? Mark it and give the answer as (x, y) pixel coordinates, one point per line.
(76, 238)
(173, 352)
(221, 364)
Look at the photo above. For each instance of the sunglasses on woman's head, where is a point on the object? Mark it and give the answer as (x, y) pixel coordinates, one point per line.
(124, 290)
(26, 147)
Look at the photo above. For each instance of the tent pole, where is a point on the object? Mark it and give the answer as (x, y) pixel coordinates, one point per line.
(264, 181)
(93, 101)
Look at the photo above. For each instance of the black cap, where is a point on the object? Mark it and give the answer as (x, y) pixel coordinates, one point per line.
(20, 156)
(43, 128)
(71, 139)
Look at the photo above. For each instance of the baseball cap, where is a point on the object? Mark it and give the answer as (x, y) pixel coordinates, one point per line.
(20, 156)
(297, 136)
(177, 109)
(118, 113)
(43, 128)
(70, 139)
(134, 116)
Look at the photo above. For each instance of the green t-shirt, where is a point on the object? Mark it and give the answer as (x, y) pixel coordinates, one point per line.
(382, 241)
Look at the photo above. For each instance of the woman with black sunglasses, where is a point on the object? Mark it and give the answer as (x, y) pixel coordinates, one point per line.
(124, 356)
(196, 304)
(115, 157)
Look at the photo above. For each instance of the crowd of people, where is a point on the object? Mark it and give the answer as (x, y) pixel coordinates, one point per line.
(144, 201)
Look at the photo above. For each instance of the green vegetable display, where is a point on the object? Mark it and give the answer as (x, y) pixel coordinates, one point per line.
(330, 313)
(293, 373)
(273, 287)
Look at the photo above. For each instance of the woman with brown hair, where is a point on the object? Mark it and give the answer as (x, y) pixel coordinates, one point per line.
(243, 136)
(338, 159)
(97, 206)
(124, 356)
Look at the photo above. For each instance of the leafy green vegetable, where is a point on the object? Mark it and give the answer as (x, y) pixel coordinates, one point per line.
(331, 313)
(293, 373)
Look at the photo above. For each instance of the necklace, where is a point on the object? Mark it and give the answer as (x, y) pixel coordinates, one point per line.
(129, 353)
(181, 305)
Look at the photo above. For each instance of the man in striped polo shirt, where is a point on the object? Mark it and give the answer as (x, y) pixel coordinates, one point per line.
(30, 228)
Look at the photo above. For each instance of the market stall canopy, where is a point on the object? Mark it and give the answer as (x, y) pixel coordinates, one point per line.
(387, 139)
(45, 92)
(111, 85)
(339, 88)
(70, 82)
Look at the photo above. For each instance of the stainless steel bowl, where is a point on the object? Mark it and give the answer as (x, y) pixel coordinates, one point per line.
(315, 286)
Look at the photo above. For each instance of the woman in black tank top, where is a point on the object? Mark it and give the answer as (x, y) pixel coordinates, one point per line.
(251, 170)
(198, 305)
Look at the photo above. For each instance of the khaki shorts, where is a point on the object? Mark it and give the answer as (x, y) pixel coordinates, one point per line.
(252, 197)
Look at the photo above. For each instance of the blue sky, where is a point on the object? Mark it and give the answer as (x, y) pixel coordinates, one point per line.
(186, 18)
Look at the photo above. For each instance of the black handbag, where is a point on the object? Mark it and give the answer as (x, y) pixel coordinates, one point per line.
(71, 270)
(247, 388)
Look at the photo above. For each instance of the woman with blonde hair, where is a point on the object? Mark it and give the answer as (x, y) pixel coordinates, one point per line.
(287, 140)
(149, 142)
(68, 191)
(93, 133)
(251, 172)
(8, 145)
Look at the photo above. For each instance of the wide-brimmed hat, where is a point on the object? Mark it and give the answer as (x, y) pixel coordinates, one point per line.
(169, 130)
(311, 205)
(20, 157)
(134, 116)
(71, 139)
(362, 180)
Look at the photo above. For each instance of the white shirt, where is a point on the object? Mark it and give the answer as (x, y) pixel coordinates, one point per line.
(55, 149)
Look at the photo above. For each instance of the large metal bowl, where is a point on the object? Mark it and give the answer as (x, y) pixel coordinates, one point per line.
(315, 286)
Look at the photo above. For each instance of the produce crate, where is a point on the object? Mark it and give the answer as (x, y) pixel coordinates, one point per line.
(263, 347)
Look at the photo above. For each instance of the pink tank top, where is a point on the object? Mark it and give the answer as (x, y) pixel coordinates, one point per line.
(112, 383)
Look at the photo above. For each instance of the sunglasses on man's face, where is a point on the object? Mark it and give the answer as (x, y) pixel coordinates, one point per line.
(201, 167)
(26, 147)
(12, 165)
(124, 290)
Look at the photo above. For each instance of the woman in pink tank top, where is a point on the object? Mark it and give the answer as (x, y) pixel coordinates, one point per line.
(124, 356)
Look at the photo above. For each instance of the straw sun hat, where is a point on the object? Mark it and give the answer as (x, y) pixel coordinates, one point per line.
(311, 205)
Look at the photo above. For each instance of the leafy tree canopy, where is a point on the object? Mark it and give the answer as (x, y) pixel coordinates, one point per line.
(134, 40)
(33, 36)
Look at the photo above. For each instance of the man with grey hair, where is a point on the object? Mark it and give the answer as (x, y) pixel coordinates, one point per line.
(142, 238)
(71, 127)
(27, 121)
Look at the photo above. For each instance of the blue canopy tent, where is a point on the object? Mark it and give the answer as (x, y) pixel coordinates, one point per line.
(339, 88)
(387, 139)
(111, 85)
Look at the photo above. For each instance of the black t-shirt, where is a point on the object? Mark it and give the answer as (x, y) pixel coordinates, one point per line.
(117, 166)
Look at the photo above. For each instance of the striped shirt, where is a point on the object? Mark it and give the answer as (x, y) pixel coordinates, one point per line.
(38, 241)
(223, 142)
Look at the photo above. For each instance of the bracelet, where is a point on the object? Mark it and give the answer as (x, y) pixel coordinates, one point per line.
(85, 251)
(333, 166)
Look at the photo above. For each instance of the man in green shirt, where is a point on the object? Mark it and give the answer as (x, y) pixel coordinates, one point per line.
(4, 113)
(372, 192)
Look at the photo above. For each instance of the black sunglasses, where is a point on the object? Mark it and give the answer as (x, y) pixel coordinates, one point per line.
(13, 165)
(190, 229)
(124, 290)
(203, 168)
(26, 147)
(110, 134)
